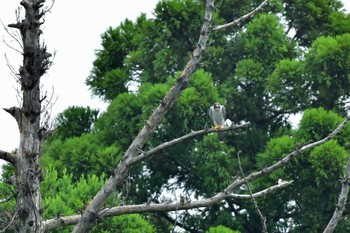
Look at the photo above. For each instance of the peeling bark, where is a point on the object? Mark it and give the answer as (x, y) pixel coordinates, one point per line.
(27, 172)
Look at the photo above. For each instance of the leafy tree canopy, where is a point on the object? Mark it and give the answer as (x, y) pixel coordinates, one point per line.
(258, 71)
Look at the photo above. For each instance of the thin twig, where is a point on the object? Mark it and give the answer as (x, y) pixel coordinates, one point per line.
(6, 199)
(261, 216)
(264, 192)
(244, 17)
(13, 37)
(12, 70)
(10, 223)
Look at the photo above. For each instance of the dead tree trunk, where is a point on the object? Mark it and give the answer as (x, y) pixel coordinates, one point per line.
(27, 172)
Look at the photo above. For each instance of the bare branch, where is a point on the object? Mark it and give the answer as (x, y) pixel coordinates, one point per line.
(163, 207)
(12, 72)
(287, 158)
(15, 112)
(341, 200)
(261, 216)
(13, 35)
(264, 192)
(244, 17)
(91, 212)
(9, 157)
(10, 223)
(6, 199)
(173, 142)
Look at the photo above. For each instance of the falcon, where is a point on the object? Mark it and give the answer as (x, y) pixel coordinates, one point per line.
(217, 113)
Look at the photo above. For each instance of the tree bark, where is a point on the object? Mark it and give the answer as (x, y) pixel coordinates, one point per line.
(92, 211)
(27, 176)
(343, 196)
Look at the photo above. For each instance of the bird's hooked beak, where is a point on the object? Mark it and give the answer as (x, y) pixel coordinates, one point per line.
(217, 105)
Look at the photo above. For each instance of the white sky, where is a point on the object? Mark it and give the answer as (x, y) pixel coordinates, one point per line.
(73, 30)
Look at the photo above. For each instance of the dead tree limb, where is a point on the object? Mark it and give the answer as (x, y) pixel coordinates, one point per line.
(226, 193)
(333, 222)
(9, 157)
(27, 175)
(162, 207)
(91, 213)
(244, 17)
(261, 216)
(181, 139)
(287, 158)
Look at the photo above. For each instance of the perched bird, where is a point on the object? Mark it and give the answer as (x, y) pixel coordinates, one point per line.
(217, 113)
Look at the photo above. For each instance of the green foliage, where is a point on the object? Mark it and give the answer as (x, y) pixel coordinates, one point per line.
(194, 103)
(74, 121)
(132, 223)
(318, 169)
(8, 201)
(321, 80)
(257, 71)
(221, 229)
(327, 70)
(317, 124)
(219, 161)
(287, 86)
(327, 161)
(310, 19)
(81, 155)
(250, 84)
(146, 50)
(63, 197)
(275, 150)
(340, 23)
(109, 75)
(110, 127)
(265, 41)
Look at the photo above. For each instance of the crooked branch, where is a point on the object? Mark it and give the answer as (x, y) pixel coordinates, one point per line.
(226, 193)
(163, 207)
(244, 17)
(287, 158)
(87, 220)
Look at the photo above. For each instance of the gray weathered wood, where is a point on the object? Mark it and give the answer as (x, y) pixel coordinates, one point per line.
(28, 217)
